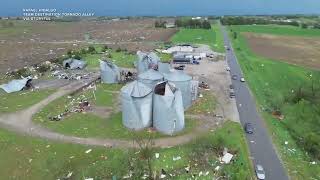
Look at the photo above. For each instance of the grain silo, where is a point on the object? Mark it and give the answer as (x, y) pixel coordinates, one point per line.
(146, 61)
(110, 72)
(164, 68)
(150, 78)
(168, 111)
(136, 100)
(183, 82)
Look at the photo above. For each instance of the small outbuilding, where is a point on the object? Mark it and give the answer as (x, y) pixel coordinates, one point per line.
(150, 78)
(168, 111)
(183, 82)
(74, 64)
(110, 73)
(146, 61)
(136, 99)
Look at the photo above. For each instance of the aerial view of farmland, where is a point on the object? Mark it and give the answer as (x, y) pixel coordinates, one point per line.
(150, 90)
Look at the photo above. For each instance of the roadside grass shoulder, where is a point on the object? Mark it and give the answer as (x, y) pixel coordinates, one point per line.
(275, 84)
(16, 101)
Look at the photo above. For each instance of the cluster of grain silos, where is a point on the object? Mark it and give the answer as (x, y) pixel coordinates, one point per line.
(157, 98)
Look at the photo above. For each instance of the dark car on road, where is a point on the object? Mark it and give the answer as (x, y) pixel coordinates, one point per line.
(234, 77)
(231, 86)
(248, 128)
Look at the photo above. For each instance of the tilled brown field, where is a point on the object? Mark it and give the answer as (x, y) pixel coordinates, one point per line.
(31, 42)
(295, 50)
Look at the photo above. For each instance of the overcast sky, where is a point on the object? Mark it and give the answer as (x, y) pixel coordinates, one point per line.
(165, 7)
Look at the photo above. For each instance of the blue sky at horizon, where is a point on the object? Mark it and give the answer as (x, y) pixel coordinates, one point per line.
(165, 7)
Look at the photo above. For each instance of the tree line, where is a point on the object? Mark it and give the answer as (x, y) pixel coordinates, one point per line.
(251, 20)
(193, 23)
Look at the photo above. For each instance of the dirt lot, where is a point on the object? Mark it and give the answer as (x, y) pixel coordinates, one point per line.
(30, 42)
(214, 73)
(295, 50)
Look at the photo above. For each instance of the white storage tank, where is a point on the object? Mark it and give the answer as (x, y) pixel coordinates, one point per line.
(150, 78)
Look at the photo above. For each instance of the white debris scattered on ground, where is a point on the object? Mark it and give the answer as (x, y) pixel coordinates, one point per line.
(88, 151)
(157, 155)
(69, 175)
(217, 168)
(227, 158)
(88, 179)
(162, 176)
(286, 142)
(313, 162)
(176, 158)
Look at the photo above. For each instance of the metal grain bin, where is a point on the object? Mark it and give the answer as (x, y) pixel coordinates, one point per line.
(168, 111)
(110, 73)
(136, 100)
(183, 82)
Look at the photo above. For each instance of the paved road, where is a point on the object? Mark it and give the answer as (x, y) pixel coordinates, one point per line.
(261, 148)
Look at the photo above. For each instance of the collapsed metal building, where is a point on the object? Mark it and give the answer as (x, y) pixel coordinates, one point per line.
(110, 73)
(136, 99)
(74, 64)
(146, 61)
(168, 111)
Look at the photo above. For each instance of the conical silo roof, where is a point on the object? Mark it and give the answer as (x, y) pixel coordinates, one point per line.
(151, 74)
(136, 89)
(177, 76)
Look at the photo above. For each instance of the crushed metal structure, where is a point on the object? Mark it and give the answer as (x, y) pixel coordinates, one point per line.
(110, 73)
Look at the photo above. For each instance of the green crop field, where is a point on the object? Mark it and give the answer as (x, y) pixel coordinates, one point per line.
(122, 59)
(212, 37)
(276, 30)
(291, 90)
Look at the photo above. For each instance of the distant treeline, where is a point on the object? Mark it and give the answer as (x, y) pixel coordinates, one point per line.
(251, 20)
(193, 23)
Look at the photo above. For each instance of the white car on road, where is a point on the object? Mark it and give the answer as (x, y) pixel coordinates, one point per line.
(242, 79)
(260, 172)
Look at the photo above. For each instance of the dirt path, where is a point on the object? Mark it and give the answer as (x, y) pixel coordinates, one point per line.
(21, 122)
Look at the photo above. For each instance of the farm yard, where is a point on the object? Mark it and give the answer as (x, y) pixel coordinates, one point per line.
(287, 95)
(90, 141)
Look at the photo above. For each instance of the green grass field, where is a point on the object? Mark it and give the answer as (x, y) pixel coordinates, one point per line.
(276, 30)
(122, 59)
(16, 101)
(275, 85)
(32, 158)
(212, 37)
(90, 125)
